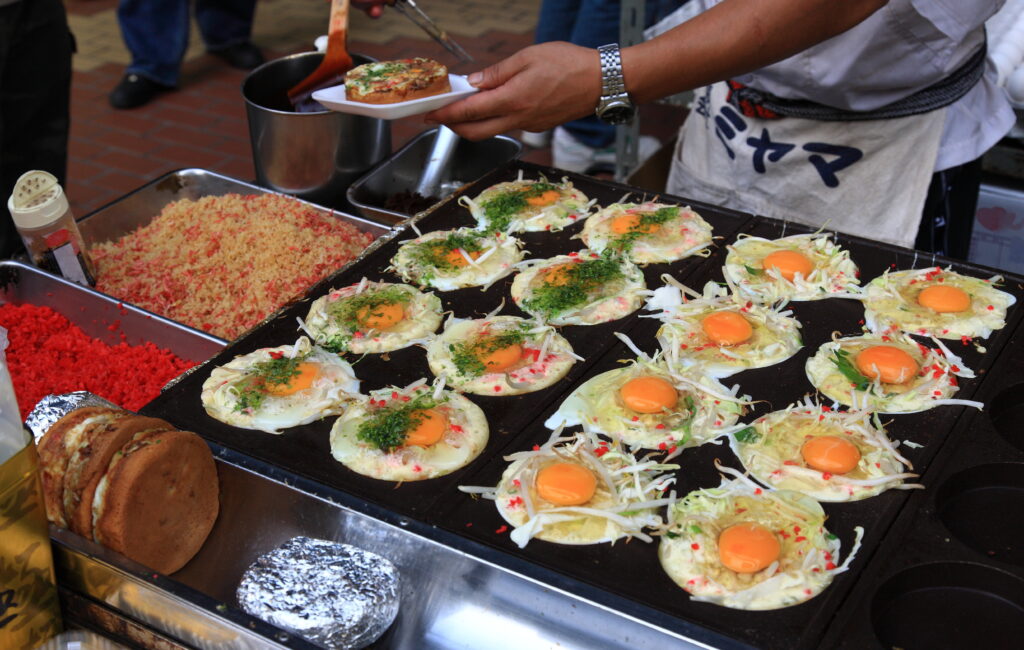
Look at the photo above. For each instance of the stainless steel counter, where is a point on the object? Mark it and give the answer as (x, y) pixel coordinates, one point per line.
(450, 598)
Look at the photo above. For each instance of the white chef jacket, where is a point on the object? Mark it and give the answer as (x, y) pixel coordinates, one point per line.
(902, 48)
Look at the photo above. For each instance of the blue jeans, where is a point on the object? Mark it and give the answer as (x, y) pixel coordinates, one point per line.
(589, 23)
(156, 32)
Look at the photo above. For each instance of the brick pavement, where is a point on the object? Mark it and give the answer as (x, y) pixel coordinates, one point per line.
(203, 123)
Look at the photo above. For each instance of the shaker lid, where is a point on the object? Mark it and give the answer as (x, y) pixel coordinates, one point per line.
(37, 200)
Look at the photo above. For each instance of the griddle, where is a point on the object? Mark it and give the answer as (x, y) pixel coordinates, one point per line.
(627, 575)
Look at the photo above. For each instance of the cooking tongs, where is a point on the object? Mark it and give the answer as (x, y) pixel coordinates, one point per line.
(416, 15)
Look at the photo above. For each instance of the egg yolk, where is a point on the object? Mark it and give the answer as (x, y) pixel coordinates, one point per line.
(500, 359)
(307, 373)
(380, 317)
(566, 484)
(547, 198)
(648, 394)
(890, 364)
(558, 276)
(748, 547)
(727, 328)
(944, 299)
(428, 430)
(630, 222)
(830, 454)
(789, 263)
(455, 258)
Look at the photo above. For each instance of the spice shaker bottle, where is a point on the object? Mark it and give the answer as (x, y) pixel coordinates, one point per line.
(29, 607)
(44, 221)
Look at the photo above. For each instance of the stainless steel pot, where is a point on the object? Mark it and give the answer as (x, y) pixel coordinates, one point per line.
(312, 155)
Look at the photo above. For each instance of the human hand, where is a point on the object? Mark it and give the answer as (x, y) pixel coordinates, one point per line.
(373, 8)
(535, 89)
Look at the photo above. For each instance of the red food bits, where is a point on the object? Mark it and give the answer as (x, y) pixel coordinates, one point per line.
(501, 530)
(49, 355)
(198, 262)
(695, 546)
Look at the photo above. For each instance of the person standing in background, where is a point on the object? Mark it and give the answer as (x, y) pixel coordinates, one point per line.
(35, 94)
(586, 145)
(156, 32)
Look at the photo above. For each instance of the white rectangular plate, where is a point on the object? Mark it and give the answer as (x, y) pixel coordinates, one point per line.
(334, 99)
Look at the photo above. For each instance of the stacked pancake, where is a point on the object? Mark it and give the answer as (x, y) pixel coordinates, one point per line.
(132, 483)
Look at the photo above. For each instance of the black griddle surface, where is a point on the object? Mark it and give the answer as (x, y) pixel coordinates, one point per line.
(626, 570)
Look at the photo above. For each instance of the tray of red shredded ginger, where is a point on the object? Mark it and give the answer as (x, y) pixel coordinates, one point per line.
(63, 337)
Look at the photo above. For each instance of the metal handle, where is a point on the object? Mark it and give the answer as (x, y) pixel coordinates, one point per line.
(440, 155)
(423, 21)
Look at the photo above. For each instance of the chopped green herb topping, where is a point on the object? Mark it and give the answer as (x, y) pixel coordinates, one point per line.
(642, 228)
(346, 311)
(752, 271)
(389, 426)
(466, 356)
(337, 343)
(841, 358)
(671, 535)
(434, 254)
(502, 208)
(252, 388)
(696, 530)
(580, 279)
(748, 435)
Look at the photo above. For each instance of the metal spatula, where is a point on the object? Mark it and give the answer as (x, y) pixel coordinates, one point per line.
(337, 60)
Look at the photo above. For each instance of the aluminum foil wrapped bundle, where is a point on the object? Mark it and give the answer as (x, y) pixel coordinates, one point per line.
(335, 595)
(53, 407)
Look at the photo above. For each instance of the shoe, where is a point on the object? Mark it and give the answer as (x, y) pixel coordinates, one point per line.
(536, 139)
(570, 154)
(244, 56)
(646, 147)
(135, 91)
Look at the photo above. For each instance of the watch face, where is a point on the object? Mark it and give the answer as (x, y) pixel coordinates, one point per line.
(616, 112)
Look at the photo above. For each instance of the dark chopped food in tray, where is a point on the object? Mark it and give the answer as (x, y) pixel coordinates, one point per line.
(625, 575)
(409, 202)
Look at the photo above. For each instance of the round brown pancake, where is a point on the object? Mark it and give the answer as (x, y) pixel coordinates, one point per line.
(160, 500)
(53, 461)
(88, 463)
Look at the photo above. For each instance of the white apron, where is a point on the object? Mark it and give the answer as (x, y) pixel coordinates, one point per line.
(864, 178)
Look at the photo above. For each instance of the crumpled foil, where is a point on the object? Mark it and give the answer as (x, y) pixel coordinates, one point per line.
(53, 407)
(334, 595)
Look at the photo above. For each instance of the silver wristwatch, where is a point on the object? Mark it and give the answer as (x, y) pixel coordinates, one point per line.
(614, 107)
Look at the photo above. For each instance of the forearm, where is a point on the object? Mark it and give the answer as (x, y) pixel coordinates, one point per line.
(733, 38)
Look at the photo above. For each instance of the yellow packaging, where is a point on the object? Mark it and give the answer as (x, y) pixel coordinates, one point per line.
(29, 608)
